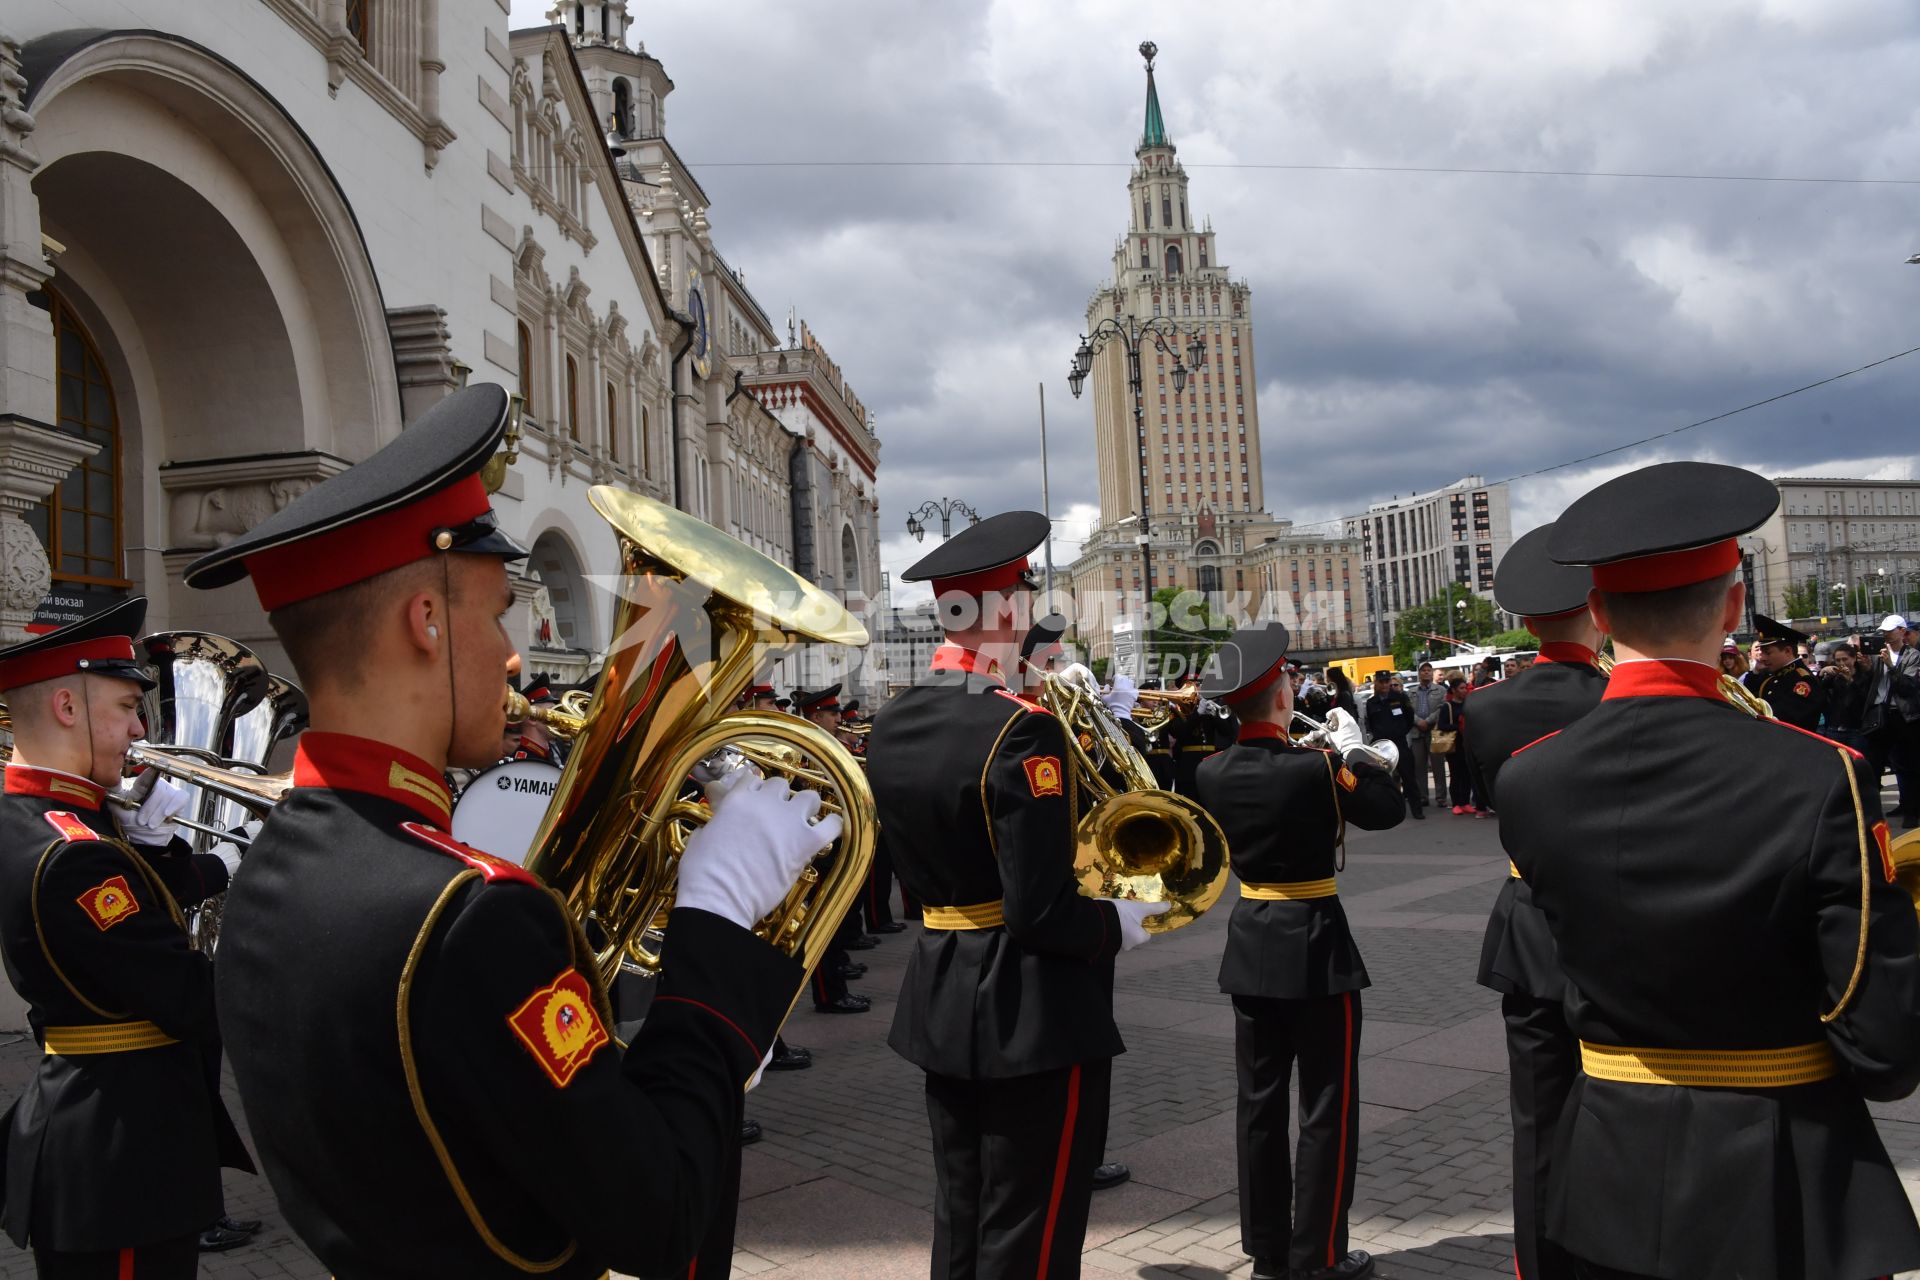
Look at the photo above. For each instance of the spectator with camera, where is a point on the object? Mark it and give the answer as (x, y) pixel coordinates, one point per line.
(1846, 683)
(1892, 719)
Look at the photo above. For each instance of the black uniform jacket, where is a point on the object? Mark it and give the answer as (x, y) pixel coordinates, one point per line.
(1703, 873)
(1562, 685)
(1196, 738)
(105, 1150)
(1283, 809)
(425, 1054)
(1795, 695)
(976, 806)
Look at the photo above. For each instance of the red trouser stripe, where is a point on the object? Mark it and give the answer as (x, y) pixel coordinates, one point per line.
(1060, 1169)
(126, 1264)
(1346, 1097)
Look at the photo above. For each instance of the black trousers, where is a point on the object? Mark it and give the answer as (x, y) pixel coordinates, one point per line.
(876, 906)
(1542, 1057)
(1311, 1184)
(1897, 744)
(176, 1259)
(1411, 783)
(825, 980)
(1013, 1163)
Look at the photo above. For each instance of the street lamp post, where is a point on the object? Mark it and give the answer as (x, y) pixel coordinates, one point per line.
(945, 509)
(1134, 335)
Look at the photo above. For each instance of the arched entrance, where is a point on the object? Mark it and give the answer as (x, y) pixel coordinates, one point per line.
(222, 279)
(557, 566)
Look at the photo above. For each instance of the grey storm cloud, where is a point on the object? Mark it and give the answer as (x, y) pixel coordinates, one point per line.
(1411, 327)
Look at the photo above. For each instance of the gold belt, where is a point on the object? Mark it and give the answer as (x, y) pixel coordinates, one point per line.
(112, 1037)
(1292, 891)
(1512, 870)
(1711, 1068)
(1200, 746)
(980, 915)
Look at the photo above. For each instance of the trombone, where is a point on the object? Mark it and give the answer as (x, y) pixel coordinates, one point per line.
(1319, 735)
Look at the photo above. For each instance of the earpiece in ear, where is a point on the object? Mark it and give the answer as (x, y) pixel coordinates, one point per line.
(434, 632)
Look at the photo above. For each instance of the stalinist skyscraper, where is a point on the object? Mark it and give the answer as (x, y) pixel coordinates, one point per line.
(1199, 471)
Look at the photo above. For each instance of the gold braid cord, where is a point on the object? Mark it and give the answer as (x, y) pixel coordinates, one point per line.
(1866, 890)
(1339, 814)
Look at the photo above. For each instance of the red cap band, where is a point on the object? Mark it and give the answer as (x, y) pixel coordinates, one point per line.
(363, 549)
(48, 664)
(1258, 687)
(997, 578)
(1668, 569)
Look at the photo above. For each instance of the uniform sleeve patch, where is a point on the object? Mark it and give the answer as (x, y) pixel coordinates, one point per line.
(70, 827)
(1043, 775)
(109, 902)
(485, 863)
(559, 1026)
(1346, 779)
(1802, 690)
(1884, 842)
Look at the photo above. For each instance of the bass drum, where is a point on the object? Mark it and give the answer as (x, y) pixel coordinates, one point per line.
(501, 808)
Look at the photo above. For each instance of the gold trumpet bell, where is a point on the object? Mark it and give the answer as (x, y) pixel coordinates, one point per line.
(1152, 846)
(1905, 853)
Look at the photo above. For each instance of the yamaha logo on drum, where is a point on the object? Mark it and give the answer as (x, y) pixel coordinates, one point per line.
(526, 786)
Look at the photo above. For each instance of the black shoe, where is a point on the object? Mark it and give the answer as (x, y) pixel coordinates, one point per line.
(865, 942)
(787, 1058)
(1110, 1175)
(248, 1225)
(217, 1239)
(891, 926)
(1270, 1269)
(750, 1132)
(845, 1004)
(850, 971)
(1355, 1266)
(1419, 813)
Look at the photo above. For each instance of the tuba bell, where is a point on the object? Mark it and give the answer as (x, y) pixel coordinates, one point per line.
(1135, 840)
(697, 610)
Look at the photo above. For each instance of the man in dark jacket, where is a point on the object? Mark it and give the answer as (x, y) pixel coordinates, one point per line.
(1788, 685)
(1742, 972)
(113, 1154)
(1390, 719)
(1291, 965)
(1516, 957)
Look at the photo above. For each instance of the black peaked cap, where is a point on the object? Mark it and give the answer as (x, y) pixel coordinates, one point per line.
(1778, 632)
(1248, 654)
(125, 618)
(449, 442)
(1530, 584)
(1671, 506)
(808, 701)
(995, 541)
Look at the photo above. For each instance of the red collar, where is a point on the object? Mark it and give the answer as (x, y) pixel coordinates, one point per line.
(342, 762)
(1565, 651)
(1663, 678)
(54, 784)
(951, 657)
(1254, 730)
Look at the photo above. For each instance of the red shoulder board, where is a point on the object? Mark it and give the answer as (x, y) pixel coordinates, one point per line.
(1028, 703)
(486, 864)
(1536, 742)
(70, 827)
(1817, 737)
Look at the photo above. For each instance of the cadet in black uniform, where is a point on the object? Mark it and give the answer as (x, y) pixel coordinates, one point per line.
(1516, 957)
(1194, 739)
(1788, 686)
(496, 1128)
(1291, 965)
(828, 981)
(113, 1154)
(1005, 1002)
(1742, 972)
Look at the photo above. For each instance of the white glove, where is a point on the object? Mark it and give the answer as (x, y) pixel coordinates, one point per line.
(743, 861)
(753, 1081)
(1388, 748)
(229, 851)
(1343, 731)
(1123, 697)
(1132, 913)
(1080, 674)
(152, 823)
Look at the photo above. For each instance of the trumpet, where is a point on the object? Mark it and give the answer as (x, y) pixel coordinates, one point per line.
(1386, 757)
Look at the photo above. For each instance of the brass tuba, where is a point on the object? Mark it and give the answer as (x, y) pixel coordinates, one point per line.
(697, 609)
(1135, 840)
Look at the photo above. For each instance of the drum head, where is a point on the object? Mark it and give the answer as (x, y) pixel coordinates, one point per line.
(500, 811)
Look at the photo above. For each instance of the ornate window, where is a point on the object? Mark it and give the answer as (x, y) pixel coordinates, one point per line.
(360, 23)
(525, 340)
(573, 399)
(646, 443)
(79, 523)
(1173, 262)
(613, 425)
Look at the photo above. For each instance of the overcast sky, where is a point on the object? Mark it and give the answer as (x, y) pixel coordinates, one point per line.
(1410, 328)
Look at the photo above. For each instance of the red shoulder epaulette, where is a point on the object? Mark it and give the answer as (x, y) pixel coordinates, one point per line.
(1820, 737)
(71, 829)
(1536, 742)
(1028, 703)
(494, 869)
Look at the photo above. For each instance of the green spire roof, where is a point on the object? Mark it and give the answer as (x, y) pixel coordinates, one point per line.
(1155, 132)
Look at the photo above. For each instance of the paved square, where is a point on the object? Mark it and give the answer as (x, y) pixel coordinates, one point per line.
(842, 1185)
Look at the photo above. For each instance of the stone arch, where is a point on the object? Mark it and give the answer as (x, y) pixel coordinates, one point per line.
(849, 559)
(242, 294)
(557, 564)
(1206, 547)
